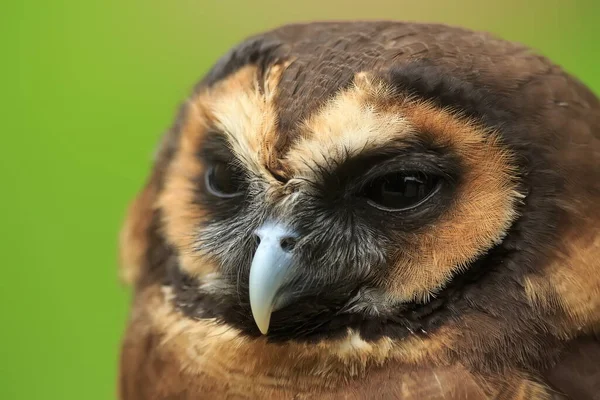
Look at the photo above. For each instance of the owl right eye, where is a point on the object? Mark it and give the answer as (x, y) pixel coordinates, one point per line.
(224, 180)
(401, 191)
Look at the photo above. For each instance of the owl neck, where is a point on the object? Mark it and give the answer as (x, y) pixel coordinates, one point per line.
(208, 356)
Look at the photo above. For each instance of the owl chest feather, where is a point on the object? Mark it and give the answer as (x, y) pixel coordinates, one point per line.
(167, 357)
(154, 369)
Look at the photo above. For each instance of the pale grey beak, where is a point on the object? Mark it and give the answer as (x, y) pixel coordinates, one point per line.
(269, 271)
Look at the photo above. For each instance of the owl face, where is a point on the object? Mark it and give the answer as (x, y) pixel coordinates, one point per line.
(333, 178)
(362, 217)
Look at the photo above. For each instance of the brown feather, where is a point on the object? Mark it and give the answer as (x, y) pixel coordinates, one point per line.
(528, 138)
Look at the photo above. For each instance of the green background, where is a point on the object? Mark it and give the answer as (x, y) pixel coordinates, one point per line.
(87, 89)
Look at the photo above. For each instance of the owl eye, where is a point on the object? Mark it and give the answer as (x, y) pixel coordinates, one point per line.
(401, 190)
(224, 180)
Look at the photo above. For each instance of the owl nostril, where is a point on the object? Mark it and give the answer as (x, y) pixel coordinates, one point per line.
(288, 243)
(279, 238)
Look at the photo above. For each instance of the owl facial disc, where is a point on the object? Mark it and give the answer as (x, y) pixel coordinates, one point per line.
(270, 271)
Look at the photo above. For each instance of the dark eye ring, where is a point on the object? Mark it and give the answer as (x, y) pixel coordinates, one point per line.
(224, 180)
(401, 191)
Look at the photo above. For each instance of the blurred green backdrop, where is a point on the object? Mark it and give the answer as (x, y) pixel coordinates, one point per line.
(87, 88)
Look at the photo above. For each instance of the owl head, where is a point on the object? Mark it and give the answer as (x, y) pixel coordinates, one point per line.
(419, 186)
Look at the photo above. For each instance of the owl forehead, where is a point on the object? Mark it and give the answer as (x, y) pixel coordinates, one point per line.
(357, 118)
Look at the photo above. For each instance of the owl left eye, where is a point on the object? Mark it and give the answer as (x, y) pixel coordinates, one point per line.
(401, 190)
(224, 180)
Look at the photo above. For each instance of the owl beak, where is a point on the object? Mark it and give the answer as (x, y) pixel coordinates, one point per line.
(270, 271)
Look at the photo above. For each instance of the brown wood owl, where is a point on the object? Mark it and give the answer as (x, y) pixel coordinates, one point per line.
(370, 210)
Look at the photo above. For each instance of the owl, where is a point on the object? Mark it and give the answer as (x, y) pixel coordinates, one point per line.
(370, 210)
